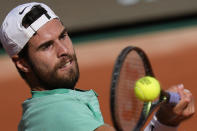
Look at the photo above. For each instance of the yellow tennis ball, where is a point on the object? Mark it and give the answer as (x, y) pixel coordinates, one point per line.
(147, 88)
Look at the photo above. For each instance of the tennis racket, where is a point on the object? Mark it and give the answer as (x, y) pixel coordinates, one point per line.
(128, 113)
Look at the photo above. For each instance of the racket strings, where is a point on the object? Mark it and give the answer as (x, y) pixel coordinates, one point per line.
(127, 105)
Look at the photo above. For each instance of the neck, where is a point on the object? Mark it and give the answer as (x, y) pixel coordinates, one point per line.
(37, 89)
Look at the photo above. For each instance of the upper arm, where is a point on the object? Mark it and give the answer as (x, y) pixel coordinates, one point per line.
(105, 127)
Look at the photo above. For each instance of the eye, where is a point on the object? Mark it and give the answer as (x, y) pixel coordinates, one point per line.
(46, 45)
(63, 36)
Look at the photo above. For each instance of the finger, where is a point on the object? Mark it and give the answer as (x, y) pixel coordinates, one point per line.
(172, 89)
(189, 110)
(179, 108)
(175, 88)
(193, 106)
(187, 91)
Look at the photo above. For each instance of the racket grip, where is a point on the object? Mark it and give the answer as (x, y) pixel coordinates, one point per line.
(174, 98)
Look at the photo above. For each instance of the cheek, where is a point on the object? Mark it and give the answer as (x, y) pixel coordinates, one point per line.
(70, 45)
(43, 63)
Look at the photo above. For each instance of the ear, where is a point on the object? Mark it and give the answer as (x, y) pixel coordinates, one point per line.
(21, 63)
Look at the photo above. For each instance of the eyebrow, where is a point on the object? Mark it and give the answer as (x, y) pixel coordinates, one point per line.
(44, 44)
(51, 41)
(62, 33)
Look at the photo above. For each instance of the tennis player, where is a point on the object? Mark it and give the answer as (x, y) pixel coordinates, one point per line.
(37, 42)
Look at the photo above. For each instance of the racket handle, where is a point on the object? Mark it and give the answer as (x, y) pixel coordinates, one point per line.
(174, 98)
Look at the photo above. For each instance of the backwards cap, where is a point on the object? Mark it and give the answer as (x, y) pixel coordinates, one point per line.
(13, 35)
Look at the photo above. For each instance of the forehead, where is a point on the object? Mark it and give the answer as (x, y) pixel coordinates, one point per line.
(50, 31)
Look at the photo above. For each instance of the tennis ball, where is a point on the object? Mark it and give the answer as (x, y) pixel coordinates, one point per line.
(147, 88)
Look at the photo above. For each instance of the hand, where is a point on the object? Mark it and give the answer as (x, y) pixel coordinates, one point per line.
(174, 115)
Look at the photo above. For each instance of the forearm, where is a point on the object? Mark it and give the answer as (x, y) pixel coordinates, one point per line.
(105, 127)
(154, 125)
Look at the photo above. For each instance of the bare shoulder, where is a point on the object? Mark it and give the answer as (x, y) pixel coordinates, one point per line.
(105, 127)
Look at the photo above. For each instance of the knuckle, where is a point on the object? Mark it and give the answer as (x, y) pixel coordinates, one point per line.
(186, 101)
(193, 111)
(189, 95)
(172, 88)
(186, 114)
(178, 112)
(187, 91)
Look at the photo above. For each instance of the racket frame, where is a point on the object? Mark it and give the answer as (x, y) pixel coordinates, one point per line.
(115, 77)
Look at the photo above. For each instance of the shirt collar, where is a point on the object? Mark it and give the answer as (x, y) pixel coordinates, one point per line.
(48, 92)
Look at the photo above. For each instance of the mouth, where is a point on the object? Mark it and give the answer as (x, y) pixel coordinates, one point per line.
(66, 64)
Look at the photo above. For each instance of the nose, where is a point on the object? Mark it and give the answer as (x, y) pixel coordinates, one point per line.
(61, 49)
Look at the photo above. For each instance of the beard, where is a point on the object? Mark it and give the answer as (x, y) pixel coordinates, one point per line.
(51, 79)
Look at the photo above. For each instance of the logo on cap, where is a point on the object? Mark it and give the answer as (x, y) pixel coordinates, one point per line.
(20, 13)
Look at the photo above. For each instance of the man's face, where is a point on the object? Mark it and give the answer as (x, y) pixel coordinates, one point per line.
(52, 58)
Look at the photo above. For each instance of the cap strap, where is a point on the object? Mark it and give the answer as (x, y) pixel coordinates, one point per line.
(36, 25)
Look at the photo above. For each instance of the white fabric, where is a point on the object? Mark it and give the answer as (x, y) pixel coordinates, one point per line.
(155, 125)
(13, 35)
(36, 25)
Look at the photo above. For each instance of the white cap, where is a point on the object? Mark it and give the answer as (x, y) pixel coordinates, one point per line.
(14, 35)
